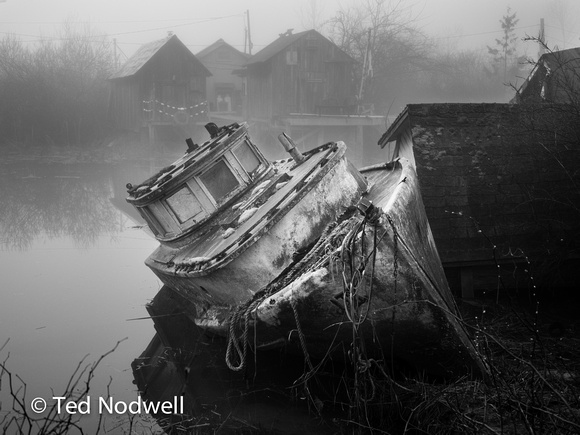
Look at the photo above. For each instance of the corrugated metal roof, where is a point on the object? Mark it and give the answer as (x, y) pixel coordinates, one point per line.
(144, 54)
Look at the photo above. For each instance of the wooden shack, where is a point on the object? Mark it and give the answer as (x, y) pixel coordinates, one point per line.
(500, 187)
(300, 73)
(162, 87)
(555, 78)
(224, 88)
(302, 84)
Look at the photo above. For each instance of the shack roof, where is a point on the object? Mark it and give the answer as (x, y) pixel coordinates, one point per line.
(569, 58)
(285, 40)
(218, 44)
(146, 52)
(557, 69)
(504, 173)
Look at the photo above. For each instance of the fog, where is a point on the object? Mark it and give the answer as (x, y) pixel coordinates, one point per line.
(459, 23)
(73, 280)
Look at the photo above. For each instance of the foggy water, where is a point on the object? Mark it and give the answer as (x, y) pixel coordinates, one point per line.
(73, 284)
(72, 278)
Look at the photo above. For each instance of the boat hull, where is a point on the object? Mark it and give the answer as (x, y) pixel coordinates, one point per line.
(270, 246)
(379, 291)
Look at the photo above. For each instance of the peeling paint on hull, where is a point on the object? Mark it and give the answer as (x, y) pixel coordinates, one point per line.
(401, 308)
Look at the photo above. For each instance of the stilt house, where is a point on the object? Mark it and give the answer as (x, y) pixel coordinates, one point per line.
(303, 84)
(162, 85)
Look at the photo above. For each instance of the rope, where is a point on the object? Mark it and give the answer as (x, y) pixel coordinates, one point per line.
(301, 335)
(338, 240)
(395, 274)
(234, 342)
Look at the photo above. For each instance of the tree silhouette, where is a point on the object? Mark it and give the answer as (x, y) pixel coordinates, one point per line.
(506, 45)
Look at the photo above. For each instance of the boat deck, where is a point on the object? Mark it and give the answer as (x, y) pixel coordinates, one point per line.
(250, 216)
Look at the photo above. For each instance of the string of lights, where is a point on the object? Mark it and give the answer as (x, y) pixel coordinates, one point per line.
(180, 114)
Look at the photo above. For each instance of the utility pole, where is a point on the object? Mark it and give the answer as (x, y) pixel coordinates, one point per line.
(245, 35)
(249, 32)
(366, 66)
(115, 62)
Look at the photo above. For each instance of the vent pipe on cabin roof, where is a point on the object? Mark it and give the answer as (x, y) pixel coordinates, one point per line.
(290, 148)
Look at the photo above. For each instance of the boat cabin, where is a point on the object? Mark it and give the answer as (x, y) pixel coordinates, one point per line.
(200, 184)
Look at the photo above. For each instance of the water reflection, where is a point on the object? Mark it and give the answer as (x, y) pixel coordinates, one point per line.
(269, 396)
(80, 201)
(72, 274)
(55, 200)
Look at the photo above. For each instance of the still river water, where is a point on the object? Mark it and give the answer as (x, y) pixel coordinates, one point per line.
(72, 278)
(73, 284)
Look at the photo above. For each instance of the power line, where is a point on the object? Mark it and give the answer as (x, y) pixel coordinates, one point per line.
(560, 29)
(111, 22)
(177, 25)
(41, 38)
(482, 33)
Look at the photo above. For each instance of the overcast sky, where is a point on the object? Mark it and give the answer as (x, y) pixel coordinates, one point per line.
(198, 23)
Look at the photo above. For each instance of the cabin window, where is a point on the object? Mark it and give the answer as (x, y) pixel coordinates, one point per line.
(246, 157)
(184, 204)
(219, 180)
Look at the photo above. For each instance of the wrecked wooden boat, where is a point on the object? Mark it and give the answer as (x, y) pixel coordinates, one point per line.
(229, 221)
(305, 253)
(372, 287)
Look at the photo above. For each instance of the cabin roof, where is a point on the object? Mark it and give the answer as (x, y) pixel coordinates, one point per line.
(284, 41)
(565, 58)
(394, 129)
(493, 169)
(470, 116)
(554, 66)
(147, 51)
(218, 44)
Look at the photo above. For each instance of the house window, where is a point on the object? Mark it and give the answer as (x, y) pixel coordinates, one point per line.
(184, 204)
(292, 57)
(246, 157)
(219, 180)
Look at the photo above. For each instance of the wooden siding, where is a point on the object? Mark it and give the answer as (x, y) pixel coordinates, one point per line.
(172, 78)
(308, 75)
(126, 104)
(260, 90)
(554, 79)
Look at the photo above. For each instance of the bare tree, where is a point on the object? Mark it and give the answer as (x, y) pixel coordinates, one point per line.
(397, 46)
(312, 16)
(565, 14)
(56, 91)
